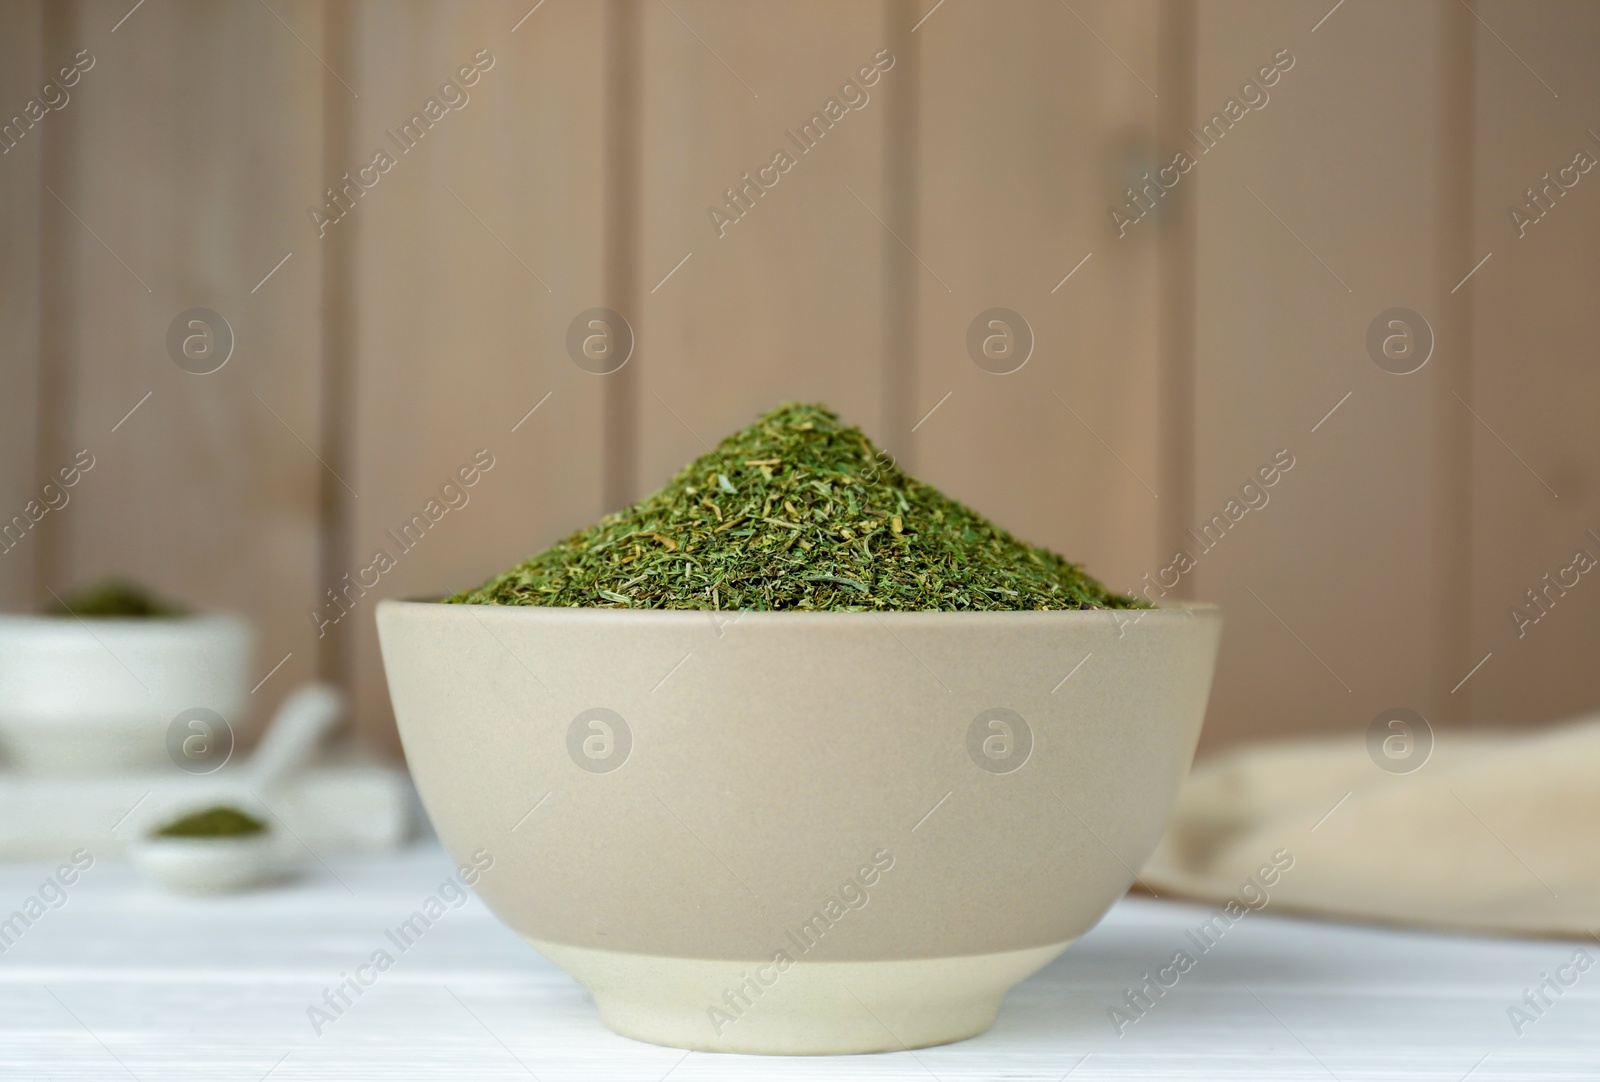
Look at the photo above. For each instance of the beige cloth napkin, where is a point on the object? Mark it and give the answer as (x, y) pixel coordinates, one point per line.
(1494, 833)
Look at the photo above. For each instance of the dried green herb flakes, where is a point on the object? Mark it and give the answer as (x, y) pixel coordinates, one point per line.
(113, 598)
(798, 511)
(219, 822)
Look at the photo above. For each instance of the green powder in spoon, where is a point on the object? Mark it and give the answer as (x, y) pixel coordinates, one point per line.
(219, 822)
(797, 511)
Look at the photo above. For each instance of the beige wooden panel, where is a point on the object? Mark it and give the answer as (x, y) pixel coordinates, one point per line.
(456, 336)
(22, 77)
(1316, 214)
(1034, 119)
(184, 191)
(1535, 381)
(785, 303)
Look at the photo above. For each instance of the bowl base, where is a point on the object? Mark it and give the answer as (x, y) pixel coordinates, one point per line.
(768, 1007)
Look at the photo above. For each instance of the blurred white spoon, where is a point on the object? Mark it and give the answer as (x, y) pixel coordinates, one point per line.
(211, 864)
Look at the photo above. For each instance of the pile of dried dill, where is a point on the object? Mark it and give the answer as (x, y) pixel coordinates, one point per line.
(798, 511)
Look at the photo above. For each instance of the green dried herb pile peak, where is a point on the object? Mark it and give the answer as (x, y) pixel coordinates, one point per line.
(797, 511)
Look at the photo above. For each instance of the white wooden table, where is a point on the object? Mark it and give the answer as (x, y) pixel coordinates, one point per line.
(124, 981)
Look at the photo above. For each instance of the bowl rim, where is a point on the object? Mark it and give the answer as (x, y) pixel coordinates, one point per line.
(198, 843)
(1183, 610)
(184, 622)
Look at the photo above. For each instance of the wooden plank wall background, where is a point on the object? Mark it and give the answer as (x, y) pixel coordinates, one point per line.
(1316, 212)
(1382, 171)
(422, 329)
(173, 176)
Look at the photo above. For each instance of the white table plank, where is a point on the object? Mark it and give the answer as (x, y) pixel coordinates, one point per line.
(126, 981)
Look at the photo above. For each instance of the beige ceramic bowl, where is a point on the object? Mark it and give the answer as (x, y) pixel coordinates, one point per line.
(798, 832)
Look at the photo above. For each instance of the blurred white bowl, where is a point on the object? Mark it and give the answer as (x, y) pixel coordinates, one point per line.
(95, 696)
(211, 865)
